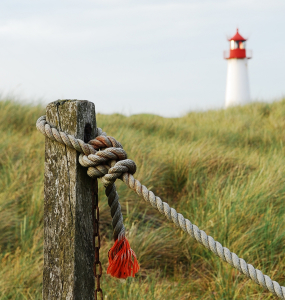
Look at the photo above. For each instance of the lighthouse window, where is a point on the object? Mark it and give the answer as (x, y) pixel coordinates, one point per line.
(234, 45)
(242, 45)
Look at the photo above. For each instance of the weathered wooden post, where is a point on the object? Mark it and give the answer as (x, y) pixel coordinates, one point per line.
(68, 227)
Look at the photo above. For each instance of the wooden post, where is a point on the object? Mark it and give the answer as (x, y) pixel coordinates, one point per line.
(68, 228)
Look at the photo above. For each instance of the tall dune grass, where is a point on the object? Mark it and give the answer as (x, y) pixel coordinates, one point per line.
(223, 170)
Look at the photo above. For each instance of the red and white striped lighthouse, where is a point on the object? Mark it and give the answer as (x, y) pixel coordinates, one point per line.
(237, 89)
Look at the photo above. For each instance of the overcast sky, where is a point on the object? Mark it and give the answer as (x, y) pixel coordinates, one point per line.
(161, 57)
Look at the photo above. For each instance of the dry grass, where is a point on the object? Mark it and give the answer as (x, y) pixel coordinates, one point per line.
(224, 170)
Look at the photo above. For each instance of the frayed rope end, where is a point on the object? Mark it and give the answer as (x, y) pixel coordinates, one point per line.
(123, 262)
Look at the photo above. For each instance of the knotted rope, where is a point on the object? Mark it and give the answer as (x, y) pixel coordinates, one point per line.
(113, 152)
(111, 163)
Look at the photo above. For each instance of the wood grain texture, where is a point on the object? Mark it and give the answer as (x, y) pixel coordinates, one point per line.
(68, 248)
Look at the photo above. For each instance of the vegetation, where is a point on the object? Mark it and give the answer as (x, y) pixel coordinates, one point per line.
(223, 170)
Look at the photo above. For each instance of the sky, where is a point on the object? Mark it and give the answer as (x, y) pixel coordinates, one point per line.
(130, 57)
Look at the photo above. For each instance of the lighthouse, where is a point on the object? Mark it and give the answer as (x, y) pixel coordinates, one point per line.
(237, 89)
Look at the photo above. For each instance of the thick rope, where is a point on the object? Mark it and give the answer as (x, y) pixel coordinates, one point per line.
(115, 152)
(123, 169)
(70, 141)
(200, 236)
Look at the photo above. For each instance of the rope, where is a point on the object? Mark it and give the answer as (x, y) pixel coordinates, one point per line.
(111, 168)
(114, 153)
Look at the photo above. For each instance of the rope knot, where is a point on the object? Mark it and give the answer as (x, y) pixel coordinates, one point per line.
(105, 158)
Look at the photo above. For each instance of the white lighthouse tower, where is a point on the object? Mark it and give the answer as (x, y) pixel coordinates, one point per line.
(237, 89)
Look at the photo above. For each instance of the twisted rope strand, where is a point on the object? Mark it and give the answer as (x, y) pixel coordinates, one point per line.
(70, 141)
(200, 236)
(112, 163)
(97, 161)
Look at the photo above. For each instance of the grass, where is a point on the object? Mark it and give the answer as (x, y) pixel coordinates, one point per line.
(223, 170)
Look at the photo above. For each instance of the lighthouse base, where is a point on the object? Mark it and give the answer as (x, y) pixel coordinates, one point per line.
(237, 89)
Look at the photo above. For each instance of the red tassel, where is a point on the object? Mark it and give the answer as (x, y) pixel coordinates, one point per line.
(122, 260)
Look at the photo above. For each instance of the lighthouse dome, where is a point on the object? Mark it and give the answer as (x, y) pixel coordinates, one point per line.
(237, 37)
(237, 48)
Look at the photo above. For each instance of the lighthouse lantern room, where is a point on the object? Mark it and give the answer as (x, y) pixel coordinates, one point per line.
(237, 88)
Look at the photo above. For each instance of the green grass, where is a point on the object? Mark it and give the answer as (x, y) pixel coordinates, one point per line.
(223, 170)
